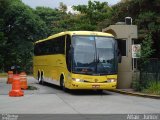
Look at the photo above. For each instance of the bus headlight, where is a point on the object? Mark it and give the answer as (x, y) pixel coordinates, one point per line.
(111, 80)
(77, 80)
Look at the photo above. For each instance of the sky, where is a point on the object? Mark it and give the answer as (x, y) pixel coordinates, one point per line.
(69, 3)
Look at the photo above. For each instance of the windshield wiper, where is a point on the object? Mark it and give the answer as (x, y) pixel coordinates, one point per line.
(96, 74)
(85, 73)
(97, 61)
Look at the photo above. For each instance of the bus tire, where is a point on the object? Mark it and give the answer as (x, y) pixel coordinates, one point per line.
(42, 79)
(39, 77)
(62, 84)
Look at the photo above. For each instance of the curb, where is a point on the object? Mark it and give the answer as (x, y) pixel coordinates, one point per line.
(136, 94)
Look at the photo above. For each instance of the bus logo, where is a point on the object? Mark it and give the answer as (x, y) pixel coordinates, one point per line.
(96, 80)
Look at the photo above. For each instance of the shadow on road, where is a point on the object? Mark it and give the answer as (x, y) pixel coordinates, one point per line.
(78, 92)
(88, 92)
(51, 85)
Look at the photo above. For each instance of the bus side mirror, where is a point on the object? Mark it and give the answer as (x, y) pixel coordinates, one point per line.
(119, 56)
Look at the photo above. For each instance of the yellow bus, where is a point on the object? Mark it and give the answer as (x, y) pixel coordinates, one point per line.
(77, 60)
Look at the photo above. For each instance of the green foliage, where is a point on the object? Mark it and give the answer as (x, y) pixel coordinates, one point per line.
(49, 16)
(32, 88)
(4, 4)
(136, 85)
(146, 21)
(58, 20)
(93, 13)
(146, 48)
(153, 88)
(62, 7)
(20, 28)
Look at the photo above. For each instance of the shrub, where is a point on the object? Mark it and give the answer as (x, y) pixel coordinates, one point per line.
(153, 88)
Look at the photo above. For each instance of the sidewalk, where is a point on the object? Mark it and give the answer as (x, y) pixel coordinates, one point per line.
(135, 93)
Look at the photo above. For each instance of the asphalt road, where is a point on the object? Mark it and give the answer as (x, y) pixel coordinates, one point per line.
(50, 99)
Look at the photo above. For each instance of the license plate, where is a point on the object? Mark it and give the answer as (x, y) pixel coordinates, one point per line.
(95, 86)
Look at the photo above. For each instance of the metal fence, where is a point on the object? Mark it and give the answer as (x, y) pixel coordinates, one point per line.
(150, 71)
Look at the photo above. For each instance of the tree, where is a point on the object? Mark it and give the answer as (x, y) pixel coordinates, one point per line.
(62, 7)
(21, 28)
(94, 12)
(147, 49)
(4, 4)
(51, 17)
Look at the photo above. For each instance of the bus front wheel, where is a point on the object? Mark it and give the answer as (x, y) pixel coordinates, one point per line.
(62, 84)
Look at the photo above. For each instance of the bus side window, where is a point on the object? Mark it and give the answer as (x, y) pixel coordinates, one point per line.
(62, 44)
(68, 52)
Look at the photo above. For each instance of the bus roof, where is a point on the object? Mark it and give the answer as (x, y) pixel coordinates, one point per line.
(76, 33)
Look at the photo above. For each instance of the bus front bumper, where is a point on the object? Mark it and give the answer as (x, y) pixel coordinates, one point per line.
(93, 86)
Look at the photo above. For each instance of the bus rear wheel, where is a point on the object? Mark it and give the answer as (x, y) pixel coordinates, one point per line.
(40, 78)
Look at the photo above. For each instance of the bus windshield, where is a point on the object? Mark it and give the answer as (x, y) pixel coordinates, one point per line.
(94, 55)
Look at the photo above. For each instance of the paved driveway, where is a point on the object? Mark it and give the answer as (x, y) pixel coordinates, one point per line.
(49, 99)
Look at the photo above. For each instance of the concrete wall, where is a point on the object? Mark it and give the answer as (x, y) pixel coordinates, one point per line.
(122, 31)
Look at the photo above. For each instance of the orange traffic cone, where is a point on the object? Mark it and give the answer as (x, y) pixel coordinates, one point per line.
(16, 88)
(23, 80)
(10, 77)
